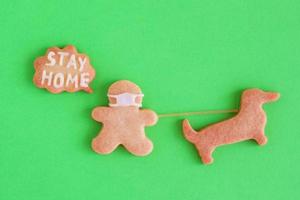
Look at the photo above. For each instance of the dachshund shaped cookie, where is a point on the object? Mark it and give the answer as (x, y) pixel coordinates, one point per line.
(248, 124)
(123, 121)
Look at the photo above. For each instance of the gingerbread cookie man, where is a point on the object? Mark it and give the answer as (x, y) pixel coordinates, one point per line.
(123, 121)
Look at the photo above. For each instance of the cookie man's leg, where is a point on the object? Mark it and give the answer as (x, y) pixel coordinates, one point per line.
(104, 144)
(139, 146)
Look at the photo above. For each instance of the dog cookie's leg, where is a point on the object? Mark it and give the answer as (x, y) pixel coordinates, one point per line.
(206, 155)
(104, 144)
(139, 146)
(261, 139)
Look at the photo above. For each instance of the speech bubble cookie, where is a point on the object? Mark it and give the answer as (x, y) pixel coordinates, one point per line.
(63, 70)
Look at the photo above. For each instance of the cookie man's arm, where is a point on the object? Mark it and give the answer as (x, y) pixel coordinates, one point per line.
(150, 117)
(100, 113)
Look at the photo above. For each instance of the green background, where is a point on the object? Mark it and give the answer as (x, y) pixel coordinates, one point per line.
(186, 55)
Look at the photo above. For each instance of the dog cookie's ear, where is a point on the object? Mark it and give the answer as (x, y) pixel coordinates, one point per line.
(63, 70)
(248, 124)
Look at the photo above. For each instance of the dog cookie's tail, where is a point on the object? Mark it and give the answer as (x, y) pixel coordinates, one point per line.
(189, 133)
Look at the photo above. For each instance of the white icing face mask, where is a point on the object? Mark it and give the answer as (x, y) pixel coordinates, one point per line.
(125, 99)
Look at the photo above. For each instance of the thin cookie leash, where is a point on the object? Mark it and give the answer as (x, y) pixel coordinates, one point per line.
(207, 112)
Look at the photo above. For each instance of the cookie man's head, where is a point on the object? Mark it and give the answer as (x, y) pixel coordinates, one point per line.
(124, 93)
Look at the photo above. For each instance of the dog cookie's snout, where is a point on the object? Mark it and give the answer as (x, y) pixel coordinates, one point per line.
(272, 96)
